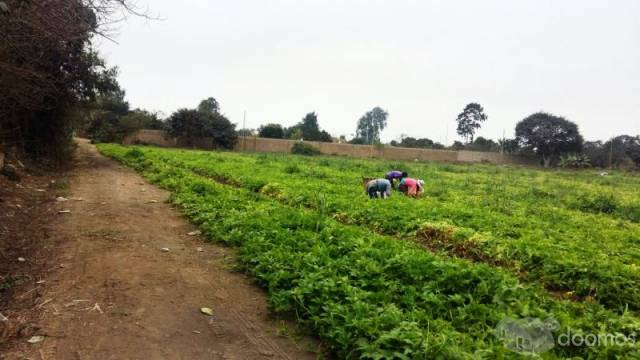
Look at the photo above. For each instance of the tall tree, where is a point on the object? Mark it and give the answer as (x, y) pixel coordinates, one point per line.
(308, 129)
(371, 124)
(48, 68)
(206, 121)
(209, 106)
(549, 136)
(470, 120)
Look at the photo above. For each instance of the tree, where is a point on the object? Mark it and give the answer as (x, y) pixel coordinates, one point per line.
(209, 106)
(549, 136)
(596, 151)
(633, 150)
(102, 117)
(308, 129)
(509, 146)
(470, 120)
(358, 141)
(309, 126)
(48, 68)
(295, 134)
(222, 131)
(272, 131)
(109, 119)
(141, 119)
(371, 124)
(483, 144)
(457, 145)
(192, 124)
(620, 149)
(423, 143)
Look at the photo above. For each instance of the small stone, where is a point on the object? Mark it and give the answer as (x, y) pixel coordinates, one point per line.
(206, 311)
(21, 259)
(64, 212)
(61, 199)
(35, 339)
(199, 249)
(194, 233)
(165, 249)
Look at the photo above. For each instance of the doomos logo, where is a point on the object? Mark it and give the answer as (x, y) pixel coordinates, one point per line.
(527, 336)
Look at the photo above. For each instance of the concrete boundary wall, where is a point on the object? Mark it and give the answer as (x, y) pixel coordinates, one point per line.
(257, 144)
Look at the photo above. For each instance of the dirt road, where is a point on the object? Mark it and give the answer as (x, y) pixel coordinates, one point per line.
(115, 294)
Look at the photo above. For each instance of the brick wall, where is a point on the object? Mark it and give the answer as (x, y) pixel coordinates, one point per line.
(256, 144)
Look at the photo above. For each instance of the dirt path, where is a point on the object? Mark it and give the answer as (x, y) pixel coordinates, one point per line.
(116, 295)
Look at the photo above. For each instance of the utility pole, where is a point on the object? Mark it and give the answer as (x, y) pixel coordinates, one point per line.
(244, 127)
(446, 136)
(611, 154)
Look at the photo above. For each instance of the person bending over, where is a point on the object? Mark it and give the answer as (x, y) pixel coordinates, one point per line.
(395, 176)
(412, 187)
(378, 188)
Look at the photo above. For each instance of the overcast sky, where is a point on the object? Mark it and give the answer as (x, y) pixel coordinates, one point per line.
(423, 61)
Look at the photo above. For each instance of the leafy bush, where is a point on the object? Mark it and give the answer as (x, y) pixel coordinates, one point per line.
(272, 131)
(292, 169)
(601, 203)
(578, 161)
(191, 125)
(302, 148)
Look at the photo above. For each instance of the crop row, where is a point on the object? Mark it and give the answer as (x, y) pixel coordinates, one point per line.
(368, 295)
(521, 221)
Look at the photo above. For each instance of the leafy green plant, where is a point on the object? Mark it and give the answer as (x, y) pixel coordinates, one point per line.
(302, 148)
(601, 203)
(574, 161)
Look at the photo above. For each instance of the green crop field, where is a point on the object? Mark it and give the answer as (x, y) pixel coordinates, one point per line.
(420, 278)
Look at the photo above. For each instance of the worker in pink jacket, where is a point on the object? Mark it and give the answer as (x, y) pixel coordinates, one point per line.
(412, 187)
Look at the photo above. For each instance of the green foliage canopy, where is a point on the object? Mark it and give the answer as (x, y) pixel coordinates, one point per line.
(371, 124)
(549, 136)
(470, 120)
